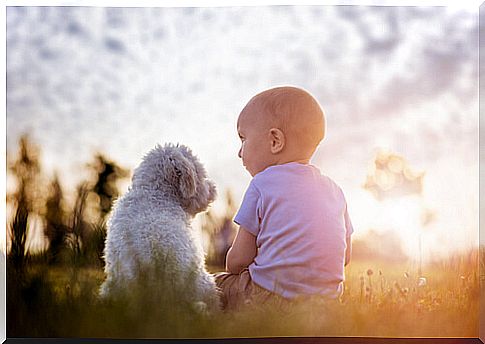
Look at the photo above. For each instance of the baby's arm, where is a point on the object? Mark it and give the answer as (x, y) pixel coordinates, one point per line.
(242, 251)
(348, 250)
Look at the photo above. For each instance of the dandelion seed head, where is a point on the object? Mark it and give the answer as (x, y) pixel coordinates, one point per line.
(422, 282)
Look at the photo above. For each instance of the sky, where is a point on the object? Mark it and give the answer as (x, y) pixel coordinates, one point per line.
(400, 79)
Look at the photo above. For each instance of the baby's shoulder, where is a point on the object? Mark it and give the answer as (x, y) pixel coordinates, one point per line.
(331, 185)
(267, 179)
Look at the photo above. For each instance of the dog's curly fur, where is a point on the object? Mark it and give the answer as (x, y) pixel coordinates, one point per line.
(149, 227)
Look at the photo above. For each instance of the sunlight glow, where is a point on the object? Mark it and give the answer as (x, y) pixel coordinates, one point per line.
(403, 216)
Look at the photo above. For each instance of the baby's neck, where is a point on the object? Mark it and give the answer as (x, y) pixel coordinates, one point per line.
(304, 161)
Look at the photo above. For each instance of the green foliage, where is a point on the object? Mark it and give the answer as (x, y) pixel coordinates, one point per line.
(63, 302)
(78, 227)
(54, 293)
(94, 243)
(55, 229)
(18, 234)
(74, 235)
(26, 168)
(221, 232)
(106, 175)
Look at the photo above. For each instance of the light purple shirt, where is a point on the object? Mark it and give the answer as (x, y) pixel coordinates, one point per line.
(300, 221)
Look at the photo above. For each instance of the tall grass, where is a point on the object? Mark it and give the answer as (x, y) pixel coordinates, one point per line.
(391, 300)
(58, 297)
(18, 235)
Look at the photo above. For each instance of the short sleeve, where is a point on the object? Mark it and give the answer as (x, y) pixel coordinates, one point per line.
(249, 213)
(348, 224)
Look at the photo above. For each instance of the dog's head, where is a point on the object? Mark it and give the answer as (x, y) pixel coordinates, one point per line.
(175, 170)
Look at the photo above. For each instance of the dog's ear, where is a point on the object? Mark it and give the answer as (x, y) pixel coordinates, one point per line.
(186, 176)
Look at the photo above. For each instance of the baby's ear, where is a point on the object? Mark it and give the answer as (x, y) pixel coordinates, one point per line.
(278, 140)
(185, 174)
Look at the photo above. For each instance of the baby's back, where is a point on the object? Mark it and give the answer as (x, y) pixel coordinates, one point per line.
(300, 219)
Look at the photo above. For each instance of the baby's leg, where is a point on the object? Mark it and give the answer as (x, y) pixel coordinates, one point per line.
(238, 290)
(235, 289)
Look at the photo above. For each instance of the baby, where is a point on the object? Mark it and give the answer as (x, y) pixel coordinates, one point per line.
(294, 237)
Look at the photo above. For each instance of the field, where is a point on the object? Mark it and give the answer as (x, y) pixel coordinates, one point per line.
(380, 300)
(54, 293)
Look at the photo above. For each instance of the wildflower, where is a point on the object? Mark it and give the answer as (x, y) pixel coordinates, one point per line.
(382, 281)
(369, 275)
(361, 288)
(368, 294)
(422, 282)
(402, 291)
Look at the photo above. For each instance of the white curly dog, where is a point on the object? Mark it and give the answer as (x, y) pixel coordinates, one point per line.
(149, 228)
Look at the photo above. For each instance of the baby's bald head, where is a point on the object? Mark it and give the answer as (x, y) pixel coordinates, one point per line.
(293, 110)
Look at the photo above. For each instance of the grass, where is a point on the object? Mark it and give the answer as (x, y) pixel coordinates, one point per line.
(379, 300)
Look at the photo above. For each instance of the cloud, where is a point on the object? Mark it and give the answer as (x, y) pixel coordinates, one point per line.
(421, 53)
(75, 74)
(81, 79)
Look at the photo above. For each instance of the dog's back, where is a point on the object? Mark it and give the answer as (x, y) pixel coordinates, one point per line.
(141, 234)
(149, 232)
